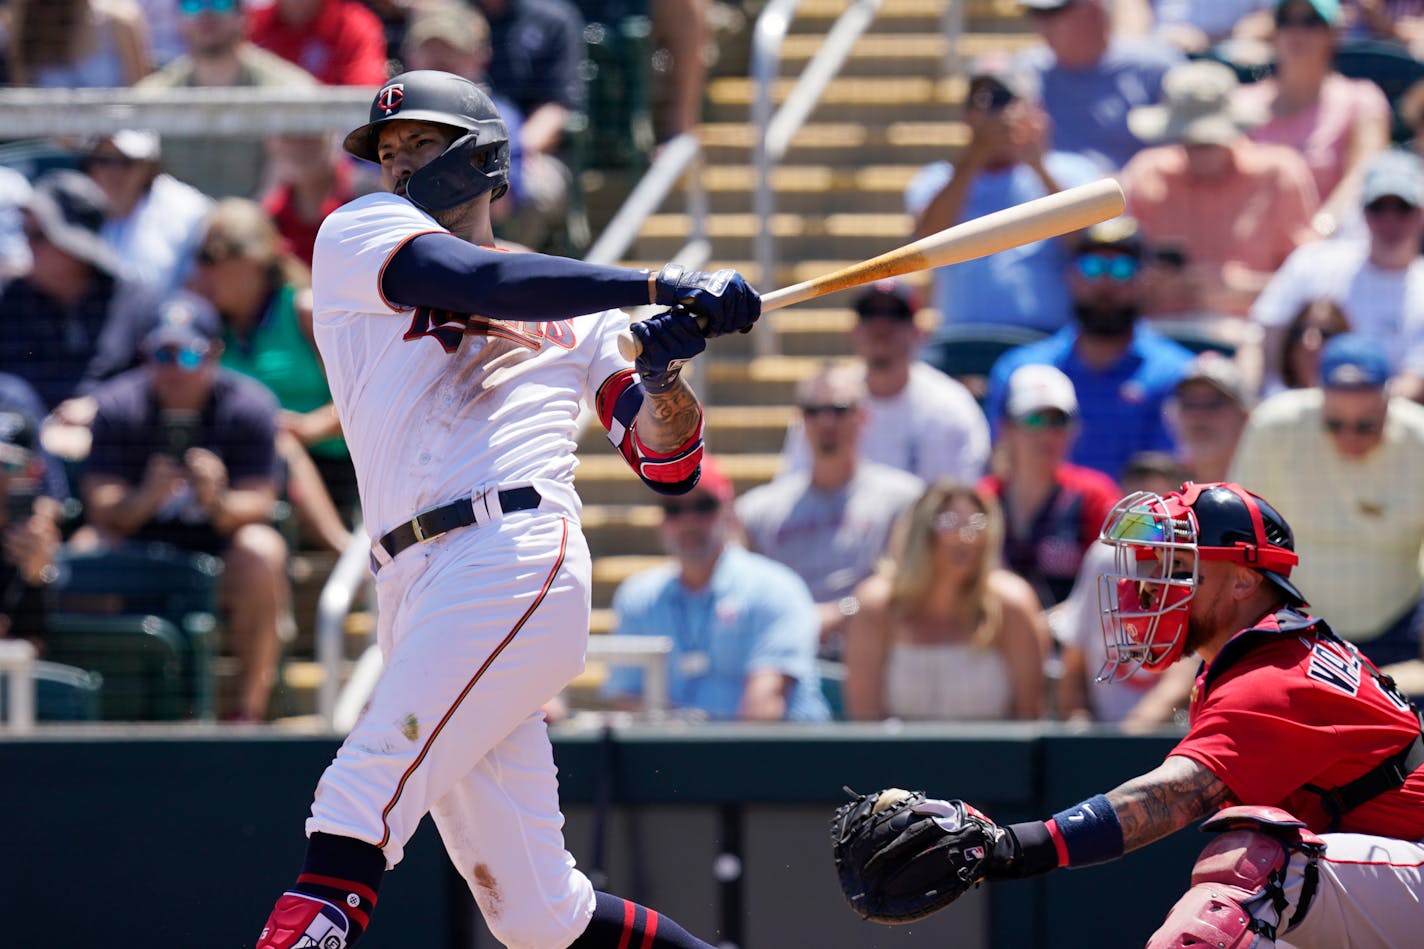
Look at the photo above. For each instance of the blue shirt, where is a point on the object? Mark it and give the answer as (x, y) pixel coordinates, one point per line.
(754, 615)
(1120, 409)
(1022, 286)
(1089, 106)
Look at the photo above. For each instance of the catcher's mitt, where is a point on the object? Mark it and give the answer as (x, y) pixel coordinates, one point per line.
(901, 856)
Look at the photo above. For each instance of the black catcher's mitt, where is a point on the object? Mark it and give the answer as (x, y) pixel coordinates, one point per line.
(901, 856)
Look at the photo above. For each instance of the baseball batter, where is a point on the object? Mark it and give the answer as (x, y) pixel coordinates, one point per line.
(1308, 759)
(458, 373)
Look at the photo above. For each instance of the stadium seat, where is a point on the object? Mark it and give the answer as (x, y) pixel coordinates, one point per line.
(153, 580)
(62, 693)
(140, 660)
(1197, 335)
(967, 351)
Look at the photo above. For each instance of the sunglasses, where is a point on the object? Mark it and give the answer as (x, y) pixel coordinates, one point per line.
(1300, 21)
(699, 506)
(833, 408)
(968, 528)
(1361, 426)
(1389, 206)
(184, 357)
(1203, 405)
(1119, 268)
(195, 7)
(210, 255)
(1044, 420)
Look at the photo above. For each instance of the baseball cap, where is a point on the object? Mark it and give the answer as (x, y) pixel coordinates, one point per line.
(1198, 107)
(715, 481)
(185, 320)
(1394, 173)
(1120, 233)
(1221, 373)
(1353, 361)
(1034, 388)
(999, 68)
(891, 297)
(137, 144)
(1327, 10)
(460, 26)
(70, 208)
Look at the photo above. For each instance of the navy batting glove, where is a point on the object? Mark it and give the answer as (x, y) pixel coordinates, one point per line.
(669, 340)
(722, 296)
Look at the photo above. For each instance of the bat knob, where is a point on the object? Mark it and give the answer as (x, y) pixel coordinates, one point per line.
(628, 346)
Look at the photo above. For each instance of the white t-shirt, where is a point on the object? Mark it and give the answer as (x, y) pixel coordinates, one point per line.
(1387, 305)
(933, 429)
(436, 405)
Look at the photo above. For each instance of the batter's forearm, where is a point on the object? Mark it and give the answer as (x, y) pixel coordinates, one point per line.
(1165, 800)
(667, 420)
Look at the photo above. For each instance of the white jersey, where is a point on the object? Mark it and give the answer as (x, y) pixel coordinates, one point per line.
(482, 402)
(932, 428)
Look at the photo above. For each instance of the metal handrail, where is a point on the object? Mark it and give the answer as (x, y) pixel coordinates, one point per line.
(773, 133)
(350, 574)
(17, 662)
(680, 159)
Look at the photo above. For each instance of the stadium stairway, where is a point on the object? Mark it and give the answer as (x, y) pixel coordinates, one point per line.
(839, 199)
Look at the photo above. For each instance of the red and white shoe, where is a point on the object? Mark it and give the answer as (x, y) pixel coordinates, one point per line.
(304, 922)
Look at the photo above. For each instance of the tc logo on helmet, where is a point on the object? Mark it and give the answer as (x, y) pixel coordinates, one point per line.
(390, 98)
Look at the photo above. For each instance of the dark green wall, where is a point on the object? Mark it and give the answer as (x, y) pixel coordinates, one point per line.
(185, 841)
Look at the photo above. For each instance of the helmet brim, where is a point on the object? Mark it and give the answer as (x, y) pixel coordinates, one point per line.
(361, 142)
(1285, 586)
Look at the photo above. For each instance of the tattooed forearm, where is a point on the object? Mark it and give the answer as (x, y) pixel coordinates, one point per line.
(667, 420)
(1165, 800)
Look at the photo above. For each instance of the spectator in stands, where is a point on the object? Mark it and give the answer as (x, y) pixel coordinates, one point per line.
(537, 56)
(70, 44)
(1052, 509)
(263, 296)
(14, 249)
(1235, 208)
(1091, 78)
(917, 419)
(1314, 326)
(1192, 26)
(830, 522)
(682, 36)
(218, 55)
(29, 537)
(72, 321)
(1357, 507)
(1395, 21)
(340, 42)
(310, 179)
(183, 453)
(164, 39)
(1122, 369)
(743, 626)
(1207, 413)
(1006, 163)
(943, 632)
(153, 218)
(19, 399)
(1142, 700)
(455, 38)
(1335, 122)
(1377, 279)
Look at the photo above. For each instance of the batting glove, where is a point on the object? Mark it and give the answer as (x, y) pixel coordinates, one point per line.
(723, 297)
(669, 340)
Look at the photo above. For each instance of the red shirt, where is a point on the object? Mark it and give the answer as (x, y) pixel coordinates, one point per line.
(1298, 708)
(299, 233)
(344, 46)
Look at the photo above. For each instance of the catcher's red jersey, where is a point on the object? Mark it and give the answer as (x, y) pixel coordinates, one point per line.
(1299, 707)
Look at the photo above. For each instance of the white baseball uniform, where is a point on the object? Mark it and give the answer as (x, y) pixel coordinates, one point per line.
(480, 625)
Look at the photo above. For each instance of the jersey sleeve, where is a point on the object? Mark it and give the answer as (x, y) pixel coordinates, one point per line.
(353, 247)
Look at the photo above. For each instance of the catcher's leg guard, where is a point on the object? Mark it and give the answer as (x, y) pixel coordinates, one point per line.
(1237, 899)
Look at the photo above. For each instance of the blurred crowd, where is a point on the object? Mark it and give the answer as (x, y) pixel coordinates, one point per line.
(928, 549)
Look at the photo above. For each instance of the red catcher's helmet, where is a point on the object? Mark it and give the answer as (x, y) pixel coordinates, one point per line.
(1145, 603)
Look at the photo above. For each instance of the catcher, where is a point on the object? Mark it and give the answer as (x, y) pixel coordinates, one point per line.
(1307, 758)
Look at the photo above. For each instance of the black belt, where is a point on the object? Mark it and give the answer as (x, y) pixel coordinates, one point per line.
(430, 524)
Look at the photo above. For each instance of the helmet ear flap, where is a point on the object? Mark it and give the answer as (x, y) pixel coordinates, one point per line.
(464, 171)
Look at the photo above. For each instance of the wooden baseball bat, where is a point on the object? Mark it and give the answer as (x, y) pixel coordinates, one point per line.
(1049, 216)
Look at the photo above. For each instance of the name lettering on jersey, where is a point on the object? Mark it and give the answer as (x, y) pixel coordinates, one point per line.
(1335, 665)
(448, 327)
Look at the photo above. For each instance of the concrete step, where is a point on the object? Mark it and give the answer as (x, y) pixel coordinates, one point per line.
(842, 145)
(605, 478)
(734, 235)
(846, 99)
(805, 330)
(615, 529)
(921, 16)
(888, 50)
(770, 380)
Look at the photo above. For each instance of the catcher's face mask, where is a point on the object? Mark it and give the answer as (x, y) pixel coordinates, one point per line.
(1144, 603)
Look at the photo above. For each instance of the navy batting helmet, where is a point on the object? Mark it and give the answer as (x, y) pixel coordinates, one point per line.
(476, 162)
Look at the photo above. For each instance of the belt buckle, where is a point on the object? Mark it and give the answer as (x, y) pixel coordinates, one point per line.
(417, 529)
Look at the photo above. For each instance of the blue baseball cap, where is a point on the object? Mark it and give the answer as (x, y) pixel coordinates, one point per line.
(1353, 361)
(186, 320)
(1394, 173)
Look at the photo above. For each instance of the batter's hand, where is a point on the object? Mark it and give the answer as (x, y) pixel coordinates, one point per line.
(669, 340)
(723, 297)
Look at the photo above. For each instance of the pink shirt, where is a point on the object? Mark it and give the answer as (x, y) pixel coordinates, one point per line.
(1321, 132)
(1254, 215)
